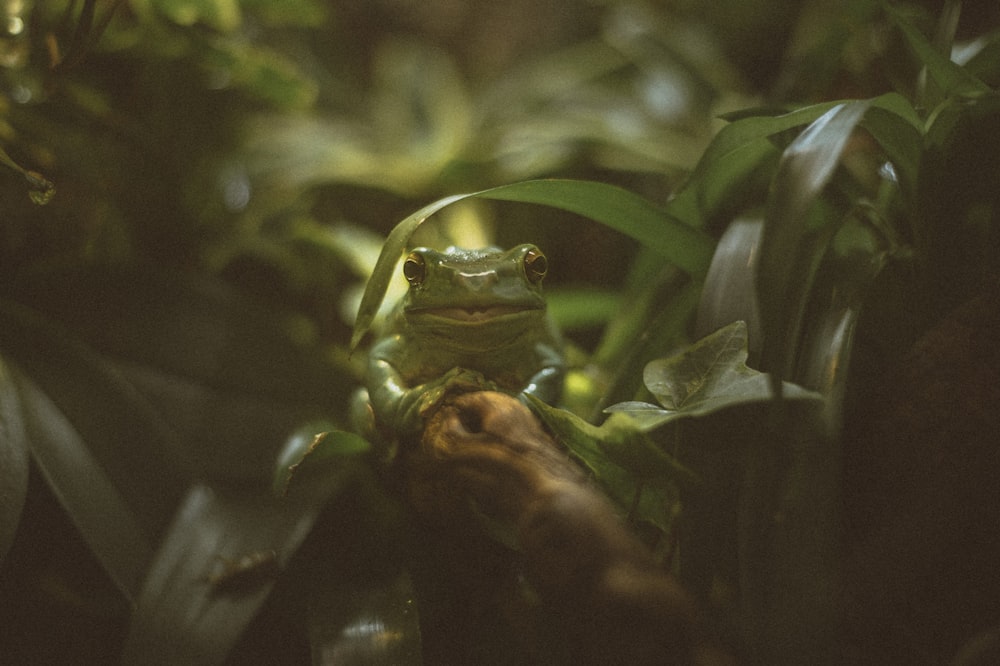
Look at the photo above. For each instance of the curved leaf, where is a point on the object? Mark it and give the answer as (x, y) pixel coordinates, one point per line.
(612, 206)
(621, 210)
(109, 526)
(212, 572)
(952, 78)
(106, 418)
(793, 240)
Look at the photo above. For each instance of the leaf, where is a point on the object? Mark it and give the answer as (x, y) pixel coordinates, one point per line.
(313, 456)
(13, 461)
(395, 245)
(621, 210)
(109, 526)
(953, 79)
(223, 15)
(709, 376)
(266, 74)
(793, 240)
(634, 470)
(731, 159)
(580, 308)
(612, 206)
(196, 600)
(94, 427)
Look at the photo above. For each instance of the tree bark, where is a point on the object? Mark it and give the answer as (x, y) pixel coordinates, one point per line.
(585, 590)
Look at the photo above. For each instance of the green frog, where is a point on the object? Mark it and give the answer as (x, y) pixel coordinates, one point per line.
(470, 320)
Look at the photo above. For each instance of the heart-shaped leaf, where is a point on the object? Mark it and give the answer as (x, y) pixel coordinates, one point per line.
(709, 376)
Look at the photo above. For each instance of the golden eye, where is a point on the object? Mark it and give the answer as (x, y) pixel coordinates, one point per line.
(535, 265)
(414, 269)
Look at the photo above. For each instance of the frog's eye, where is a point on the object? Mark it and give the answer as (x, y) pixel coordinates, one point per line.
(535, 265)
(414, 269)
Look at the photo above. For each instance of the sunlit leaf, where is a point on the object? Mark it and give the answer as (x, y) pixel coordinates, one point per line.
(709, 376)
(223, 15)
(580, 308)
(304, 13)
(793, 237)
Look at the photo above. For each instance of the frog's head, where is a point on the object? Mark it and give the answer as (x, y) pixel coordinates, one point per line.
(473, 287)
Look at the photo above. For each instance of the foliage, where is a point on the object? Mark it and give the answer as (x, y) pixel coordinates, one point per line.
(194, 192)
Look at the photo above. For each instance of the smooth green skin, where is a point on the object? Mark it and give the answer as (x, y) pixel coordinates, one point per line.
(475, 322)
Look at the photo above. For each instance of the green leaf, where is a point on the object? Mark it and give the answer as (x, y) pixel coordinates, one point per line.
(222, 15)
(621, 210)
(894, 124)
(688, 248)
(580, 308)
(795, 235)
(709, 376)
(732, 158)
(269, 75)
(315, 457)
(395, 245)
(952, 78)
(635, 472)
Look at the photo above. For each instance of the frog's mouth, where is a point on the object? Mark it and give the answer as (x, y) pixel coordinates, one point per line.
(472, 314)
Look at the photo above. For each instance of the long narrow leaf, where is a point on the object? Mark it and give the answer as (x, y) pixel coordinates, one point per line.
(213, 571)
(13, 461)
(952, 78)
(619, 209)
(791, 245)
(93, 502)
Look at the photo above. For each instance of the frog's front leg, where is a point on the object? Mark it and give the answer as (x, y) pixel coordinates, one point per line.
(547, 383)
(402, 408)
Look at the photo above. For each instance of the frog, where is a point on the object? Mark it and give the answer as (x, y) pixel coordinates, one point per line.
(469, 320)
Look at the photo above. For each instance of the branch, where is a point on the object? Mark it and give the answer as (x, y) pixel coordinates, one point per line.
(593, 584)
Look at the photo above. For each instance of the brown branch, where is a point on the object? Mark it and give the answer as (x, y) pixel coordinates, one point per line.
(593, 584)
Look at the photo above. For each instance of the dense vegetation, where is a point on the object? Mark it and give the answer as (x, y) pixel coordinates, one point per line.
(194, 196)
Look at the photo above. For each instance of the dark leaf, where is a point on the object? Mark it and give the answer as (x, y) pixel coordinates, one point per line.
(212, 572)
(13, 460)
(109, 525)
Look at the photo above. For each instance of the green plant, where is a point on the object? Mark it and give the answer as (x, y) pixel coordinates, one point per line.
(217, 177)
